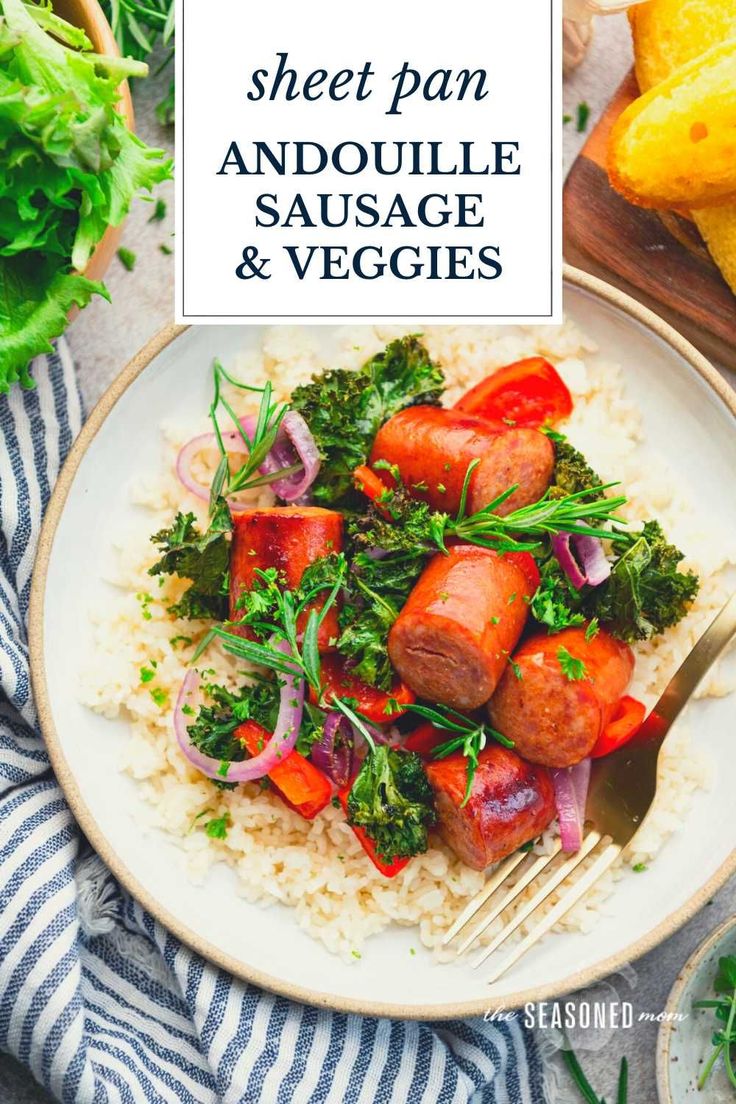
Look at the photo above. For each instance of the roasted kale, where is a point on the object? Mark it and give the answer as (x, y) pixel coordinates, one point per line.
(344, 409)
(391, 800)
(203, 558)
(212, 730)
(645, 593)
(572, 472)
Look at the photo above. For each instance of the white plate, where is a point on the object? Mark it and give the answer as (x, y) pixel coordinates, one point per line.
(687, 417)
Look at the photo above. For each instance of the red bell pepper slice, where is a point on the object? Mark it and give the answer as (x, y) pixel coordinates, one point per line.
(528, 393)
(425, 739)
(302, 787)
(372, 703)
(372, 486)
(626, 722)
(388, 869)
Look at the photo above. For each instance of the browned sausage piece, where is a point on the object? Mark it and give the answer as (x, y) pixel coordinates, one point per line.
(452, 640)
(432, 448)
(288, 538)
(553, 719)
(510, 803)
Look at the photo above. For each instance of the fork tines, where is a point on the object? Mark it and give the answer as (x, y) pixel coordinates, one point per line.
(558, 876)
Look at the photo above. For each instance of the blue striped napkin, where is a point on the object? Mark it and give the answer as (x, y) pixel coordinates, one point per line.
(96, 998)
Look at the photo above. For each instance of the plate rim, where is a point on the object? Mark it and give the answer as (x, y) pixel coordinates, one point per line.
(84, 817)
(677, 992)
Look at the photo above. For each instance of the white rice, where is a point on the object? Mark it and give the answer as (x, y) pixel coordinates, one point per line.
(318, 868)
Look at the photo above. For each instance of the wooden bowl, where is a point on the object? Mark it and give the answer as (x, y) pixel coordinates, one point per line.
(88, 15)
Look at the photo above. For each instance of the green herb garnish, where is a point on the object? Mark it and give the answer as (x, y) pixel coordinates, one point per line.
(572, 668)
(724, 1037)
(217, 827)
(470, 737)
(584, 1087)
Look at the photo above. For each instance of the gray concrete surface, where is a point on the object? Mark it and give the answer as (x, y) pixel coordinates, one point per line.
(106, 336)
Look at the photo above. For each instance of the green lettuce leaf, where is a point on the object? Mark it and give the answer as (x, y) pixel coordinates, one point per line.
(71, 169)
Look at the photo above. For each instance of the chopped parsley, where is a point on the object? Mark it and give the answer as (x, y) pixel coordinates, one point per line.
(160, 696)
(217, 827)
(147, 674)
(572, 668)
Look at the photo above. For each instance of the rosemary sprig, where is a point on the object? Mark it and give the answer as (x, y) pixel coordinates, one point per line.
(268, 422)
(470, 738)
(570, 514)
(584, 1087)
(303, 660)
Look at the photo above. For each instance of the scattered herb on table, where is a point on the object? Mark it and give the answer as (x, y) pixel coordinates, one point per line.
(159, 211)
(583, 115)
(584, 1087)
(724, 1037)
(71, 170)
(127, 258)
(142, 27)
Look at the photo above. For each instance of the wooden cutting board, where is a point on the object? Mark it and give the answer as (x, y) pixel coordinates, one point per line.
(658, 257)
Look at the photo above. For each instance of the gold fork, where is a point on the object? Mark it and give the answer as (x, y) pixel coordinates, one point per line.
(621, 793)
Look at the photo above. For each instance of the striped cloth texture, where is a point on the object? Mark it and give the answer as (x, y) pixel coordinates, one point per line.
(99, 1001)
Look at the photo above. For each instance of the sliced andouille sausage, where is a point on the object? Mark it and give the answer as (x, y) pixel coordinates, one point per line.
(511, 802)
(554, 719)
(432, 448)
(289, 538)
(452, 640)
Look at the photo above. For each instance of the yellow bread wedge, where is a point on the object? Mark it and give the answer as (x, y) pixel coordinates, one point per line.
(670, 33)
(718, 228)
(676, 145)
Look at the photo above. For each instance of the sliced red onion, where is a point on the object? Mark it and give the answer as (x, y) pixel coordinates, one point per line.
(568, 563)
(276, 750)
(294, 444)
(593, 568)
(233, 442)
(333, 754)
(571, 792)
(589, 550)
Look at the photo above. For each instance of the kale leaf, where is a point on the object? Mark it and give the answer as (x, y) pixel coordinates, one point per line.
(203, 558)
(212, 731)
(392, 801)
(572, 472)
(645, 593)
(344, 410)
